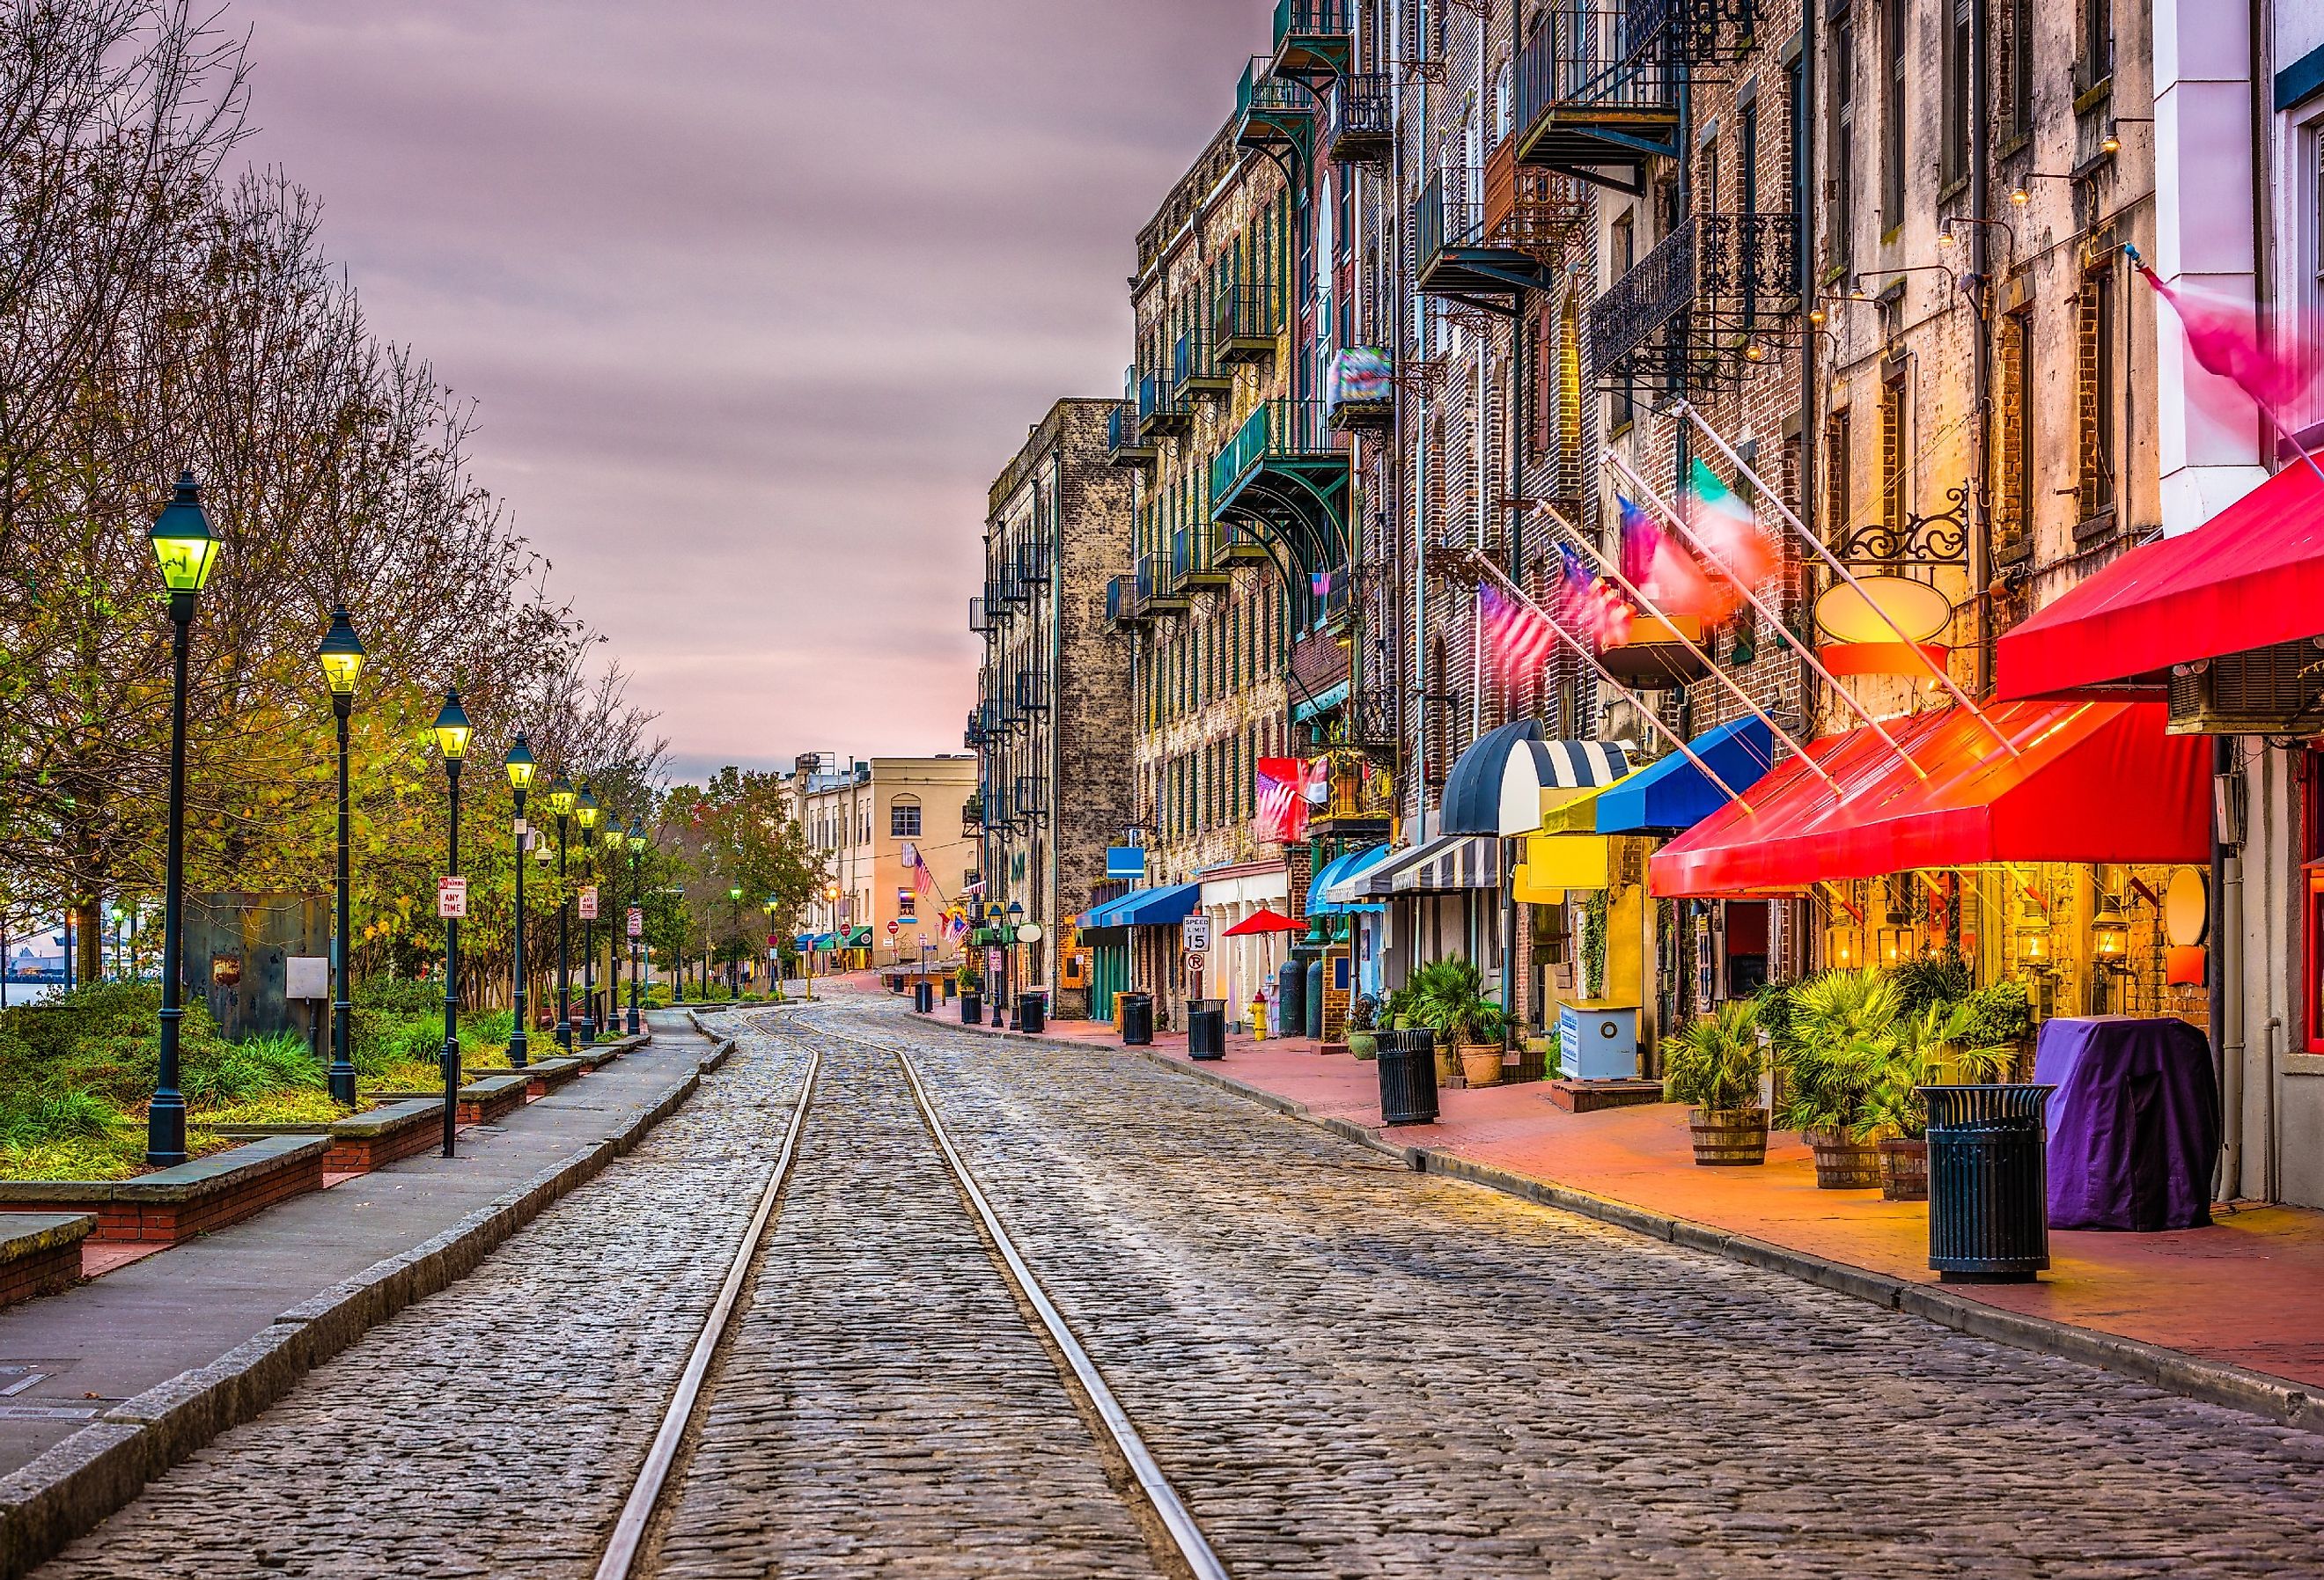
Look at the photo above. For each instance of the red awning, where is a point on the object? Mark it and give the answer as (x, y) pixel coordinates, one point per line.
(2251, 577)
(2094, 782)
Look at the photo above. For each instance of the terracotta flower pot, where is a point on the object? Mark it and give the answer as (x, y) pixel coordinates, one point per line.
(1481, 1065)
(1726, 1137)
(1842, 1161)
(1448, 1065)
(1903, 1170)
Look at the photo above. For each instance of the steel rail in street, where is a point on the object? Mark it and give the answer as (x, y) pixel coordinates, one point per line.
(637, 1515)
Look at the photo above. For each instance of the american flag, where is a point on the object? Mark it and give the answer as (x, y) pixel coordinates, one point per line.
(1521, 641)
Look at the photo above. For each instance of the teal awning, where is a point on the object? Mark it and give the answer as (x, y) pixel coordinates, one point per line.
(1338, 869)
(1323, 702)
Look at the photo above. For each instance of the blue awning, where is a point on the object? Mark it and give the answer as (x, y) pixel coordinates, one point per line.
(1673, 794)
(1101, 914)
(1156, 907)
(1338, 869)
(803, 941)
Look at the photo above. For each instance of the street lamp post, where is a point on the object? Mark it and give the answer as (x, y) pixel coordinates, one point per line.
(560, 802)
(520, 772)
(735, 967)
(636, 887)
(999, 983)
(185, 551)
(774, 961)
(452, 733)
(342, 658)
(1015, 914)
(586, 811)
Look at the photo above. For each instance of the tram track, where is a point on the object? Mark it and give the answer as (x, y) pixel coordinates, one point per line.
(676, 1473)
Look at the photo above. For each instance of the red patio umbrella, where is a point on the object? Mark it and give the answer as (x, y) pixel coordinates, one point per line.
(1264, 920)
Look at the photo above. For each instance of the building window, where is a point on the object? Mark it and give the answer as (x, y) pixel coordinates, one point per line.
(906, 903)
(2097, 404)
(2013, 525)
(903, 819)
(1891, 453)
(2096, 62)
(2019, 119)
(1625, 257)
(1892, 54)
(1840, 192)
(1836, 478)
(1957, 110)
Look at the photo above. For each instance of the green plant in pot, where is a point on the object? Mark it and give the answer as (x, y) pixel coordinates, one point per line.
(1363, 1022)
(1718, 1063)
(1449, 999)
(1396, 1010)
(1939, 1046)
(1844, 1031)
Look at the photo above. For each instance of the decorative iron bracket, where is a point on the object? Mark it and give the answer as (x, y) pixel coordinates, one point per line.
(1920, 540)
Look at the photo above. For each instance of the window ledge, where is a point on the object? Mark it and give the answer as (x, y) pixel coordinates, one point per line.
(2094, 95)
(2093, 528)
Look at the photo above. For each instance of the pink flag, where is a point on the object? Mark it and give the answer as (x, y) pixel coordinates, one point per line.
(1728, 527)
(2268, 362)
(1667, 574)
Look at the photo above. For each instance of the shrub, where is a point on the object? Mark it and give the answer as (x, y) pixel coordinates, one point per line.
(1448, 996)
(261, 1067)
(1845, 1027)
(1934, 979)
(400, 995)
(1716, 1062)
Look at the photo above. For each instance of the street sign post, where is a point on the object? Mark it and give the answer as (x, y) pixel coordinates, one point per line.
(451, 899)
(1195, 932)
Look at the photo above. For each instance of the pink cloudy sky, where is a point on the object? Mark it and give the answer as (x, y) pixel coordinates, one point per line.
(757, 296)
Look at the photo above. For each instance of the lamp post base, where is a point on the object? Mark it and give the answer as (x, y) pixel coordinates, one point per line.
(343, 1085)
(165, 1131)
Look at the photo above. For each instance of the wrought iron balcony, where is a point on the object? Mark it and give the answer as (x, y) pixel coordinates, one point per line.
(1161, 412)
(1274, 114)
(1123, 606)
(1032, 796)
(1032, 565)
(1156, 590)
(1230, 544)
(1009, 589)
(1362, 123)
(1124, 445)
(973, 736)
(1495, 231)
(1598, 85)
(1313, 37)
(978, 620)
(1195, 370)
(1691, 307)
(971, 813)
(1280, 435)
(1193, 560)
(1032, 692)
(1245, 321)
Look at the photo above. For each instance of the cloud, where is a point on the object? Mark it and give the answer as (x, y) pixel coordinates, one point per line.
(756, 297)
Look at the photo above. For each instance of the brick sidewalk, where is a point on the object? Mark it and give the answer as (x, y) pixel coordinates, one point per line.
(2245, 1292)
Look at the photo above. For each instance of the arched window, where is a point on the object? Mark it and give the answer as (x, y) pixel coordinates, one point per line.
(904, 818)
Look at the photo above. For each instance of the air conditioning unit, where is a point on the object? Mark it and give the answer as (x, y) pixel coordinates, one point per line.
(2267, 691)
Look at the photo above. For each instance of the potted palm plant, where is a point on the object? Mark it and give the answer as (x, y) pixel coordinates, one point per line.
(1363, 1035)
(1939, 1046)
(1717, 1064)
(1844, 1031)
(1449, 999)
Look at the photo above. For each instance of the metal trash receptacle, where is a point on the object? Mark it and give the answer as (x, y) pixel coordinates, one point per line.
(924, 997)
(1206, 1029)
(971, 1007)
(1407, 1076)
(1032, 1012)
(1988, 1182)
(1136, 1019)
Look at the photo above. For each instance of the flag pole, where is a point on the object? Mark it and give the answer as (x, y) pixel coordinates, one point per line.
(1741, 695)
(1486, 570)
(1938, 671)
(1807, 658)
(2274, 422)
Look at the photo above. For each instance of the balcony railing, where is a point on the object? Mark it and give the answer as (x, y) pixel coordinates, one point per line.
(1032, 796)
(1123, 606)
(978, 620)
(1312, 19)
(1159, 591)
(1032, 565)
(1195, 370)
(1716, 276)
(1362, 125)
(1276, 430)
(971, 813)
(1160, 410)
(1262, 93)
(1496, 229)
(1123, 442)
(1245, 322)
(1597, 83)
(1032, 692)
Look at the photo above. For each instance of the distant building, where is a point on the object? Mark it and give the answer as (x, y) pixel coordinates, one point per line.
(859, 818)
(1053, 721)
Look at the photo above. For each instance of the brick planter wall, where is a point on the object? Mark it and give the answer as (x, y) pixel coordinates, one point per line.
(171, 1205)
(39, 1253)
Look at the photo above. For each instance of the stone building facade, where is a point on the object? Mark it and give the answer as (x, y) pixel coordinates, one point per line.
(1053, 727)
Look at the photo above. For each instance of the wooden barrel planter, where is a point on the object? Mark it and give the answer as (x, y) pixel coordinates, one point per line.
(1728, 1138)
(1904, 1170)
(1842, 1161)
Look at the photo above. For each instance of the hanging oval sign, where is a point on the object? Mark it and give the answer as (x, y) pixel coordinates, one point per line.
(1916, 608)
(2186, 908)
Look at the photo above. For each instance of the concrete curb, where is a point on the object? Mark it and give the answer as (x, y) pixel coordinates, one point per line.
(723, 1043)
(2218, 1383)
(69, 1490)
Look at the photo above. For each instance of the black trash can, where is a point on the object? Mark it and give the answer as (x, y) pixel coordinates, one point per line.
(1407, 1078)
(1206, 1029)
(1136, 1019)
(1032, 1012)
(924, 997)
(972, 1008)
(1988, 1182)
(1291, 999)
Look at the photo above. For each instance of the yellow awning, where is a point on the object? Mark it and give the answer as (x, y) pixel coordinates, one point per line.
(1576, 811)
(1525, 891)
(1567, 860)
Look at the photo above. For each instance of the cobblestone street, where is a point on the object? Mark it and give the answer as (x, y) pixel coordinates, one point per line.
(1344, 1369)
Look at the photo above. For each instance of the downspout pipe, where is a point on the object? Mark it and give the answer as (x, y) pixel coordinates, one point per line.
(2226, 1002)
(1981, 302)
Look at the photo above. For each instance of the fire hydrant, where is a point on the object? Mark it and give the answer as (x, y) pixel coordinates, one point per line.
(1257, 1019)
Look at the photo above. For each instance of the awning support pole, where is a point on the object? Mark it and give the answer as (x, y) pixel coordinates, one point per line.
(1741, 695)
(1663, 509)
(1486, 570)
(1938, 671)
